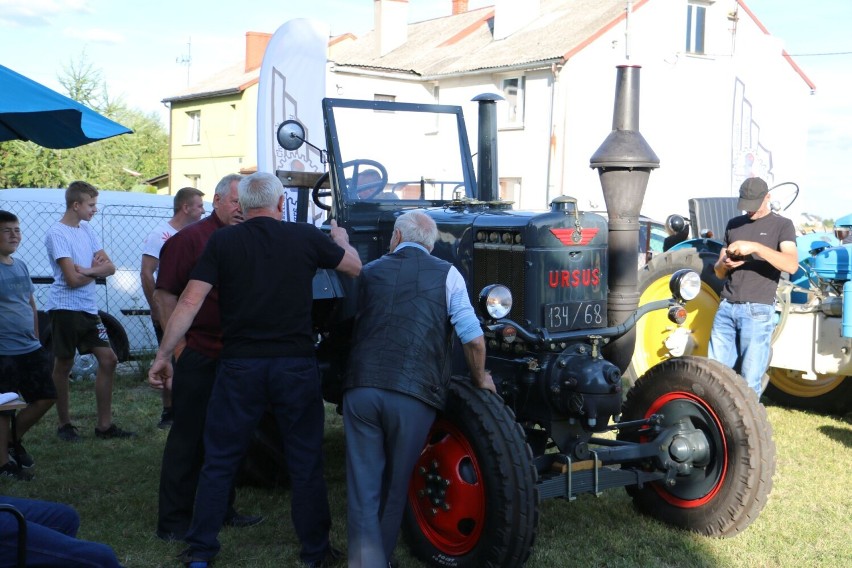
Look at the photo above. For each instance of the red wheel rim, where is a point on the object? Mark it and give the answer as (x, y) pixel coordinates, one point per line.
(446, 492)
(706, 419)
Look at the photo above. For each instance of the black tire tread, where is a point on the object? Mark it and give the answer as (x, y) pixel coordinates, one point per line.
(512, 493)
(751, 462)
(117, 336)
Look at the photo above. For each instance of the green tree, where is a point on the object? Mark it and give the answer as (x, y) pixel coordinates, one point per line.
(119, 163)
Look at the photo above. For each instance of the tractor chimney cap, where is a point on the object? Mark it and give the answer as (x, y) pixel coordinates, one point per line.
(487, 97)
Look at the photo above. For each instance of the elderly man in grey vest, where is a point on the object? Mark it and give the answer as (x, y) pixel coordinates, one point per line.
(410, 302)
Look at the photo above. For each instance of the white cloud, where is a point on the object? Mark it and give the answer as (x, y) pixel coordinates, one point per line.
(32, 13)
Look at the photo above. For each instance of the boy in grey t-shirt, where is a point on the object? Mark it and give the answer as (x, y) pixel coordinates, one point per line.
(24, 363)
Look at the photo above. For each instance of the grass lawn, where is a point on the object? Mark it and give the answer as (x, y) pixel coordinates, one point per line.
(113, 484)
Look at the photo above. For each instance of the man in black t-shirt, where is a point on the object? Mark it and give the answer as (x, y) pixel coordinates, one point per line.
(759, 246)
(263, 270)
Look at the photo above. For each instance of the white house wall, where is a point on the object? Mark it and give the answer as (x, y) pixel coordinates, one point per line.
(687, 107)
(687, 110)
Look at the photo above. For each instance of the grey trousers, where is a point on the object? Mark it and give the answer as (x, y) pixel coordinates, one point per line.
(385, 433)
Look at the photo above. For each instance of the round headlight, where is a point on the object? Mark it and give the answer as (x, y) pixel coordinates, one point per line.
(496, 301)
(685, 284)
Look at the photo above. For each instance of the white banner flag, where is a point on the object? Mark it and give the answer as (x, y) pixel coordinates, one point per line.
(292, 86)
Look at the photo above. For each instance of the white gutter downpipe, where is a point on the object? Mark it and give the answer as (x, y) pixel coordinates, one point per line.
(554, 155)
(629, 11)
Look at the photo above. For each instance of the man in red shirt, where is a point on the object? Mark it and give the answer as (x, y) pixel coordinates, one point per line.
(263, 270)
(195, 366)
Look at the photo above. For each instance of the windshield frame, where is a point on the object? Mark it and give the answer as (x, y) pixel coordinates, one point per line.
(336, 172)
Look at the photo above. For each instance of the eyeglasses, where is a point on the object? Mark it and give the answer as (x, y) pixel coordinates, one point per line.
(11, 231)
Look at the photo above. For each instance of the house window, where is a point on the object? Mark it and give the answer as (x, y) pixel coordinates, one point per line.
(193, 127)
(695, 21)
(510, 189)
(384, 98)
(192, 180)
(513, 93)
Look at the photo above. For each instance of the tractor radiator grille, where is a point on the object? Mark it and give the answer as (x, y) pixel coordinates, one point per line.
(501, 264)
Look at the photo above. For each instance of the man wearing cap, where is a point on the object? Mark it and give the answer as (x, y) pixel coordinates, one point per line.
(760, 245)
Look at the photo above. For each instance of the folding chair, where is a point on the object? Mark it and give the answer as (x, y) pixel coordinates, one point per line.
(22, 533)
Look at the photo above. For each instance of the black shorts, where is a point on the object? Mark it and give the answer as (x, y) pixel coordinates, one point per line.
(76, 331)
(158, 331)
(29, 374)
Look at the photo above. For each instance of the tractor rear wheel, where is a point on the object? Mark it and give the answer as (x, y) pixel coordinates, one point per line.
(473, 499)
(86, 365)
(827, 393)
(726, 494)
(654, 328)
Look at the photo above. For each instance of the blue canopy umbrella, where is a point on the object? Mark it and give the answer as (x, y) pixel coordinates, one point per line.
(31, 111)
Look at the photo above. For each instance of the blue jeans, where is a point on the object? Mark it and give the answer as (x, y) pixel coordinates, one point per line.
(741, 339)
(51, 532)
(243, 390)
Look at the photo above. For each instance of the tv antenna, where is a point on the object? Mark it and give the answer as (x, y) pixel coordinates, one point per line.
(186, 59)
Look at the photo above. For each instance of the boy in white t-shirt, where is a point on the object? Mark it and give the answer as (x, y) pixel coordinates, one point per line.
(77, 258)
(188, 208)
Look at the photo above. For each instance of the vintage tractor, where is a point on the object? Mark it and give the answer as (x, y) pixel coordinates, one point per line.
(811, 363)
(556, 295)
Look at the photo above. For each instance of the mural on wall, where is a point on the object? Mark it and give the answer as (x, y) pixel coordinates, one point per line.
(749, 158)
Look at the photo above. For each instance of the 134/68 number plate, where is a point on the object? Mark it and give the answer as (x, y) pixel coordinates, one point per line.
(575, 315)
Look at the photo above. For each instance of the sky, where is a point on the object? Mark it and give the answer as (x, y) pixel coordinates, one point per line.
(141, 49)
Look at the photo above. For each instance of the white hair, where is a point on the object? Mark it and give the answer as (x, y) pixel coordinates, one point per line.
(260, 190)
(417, 227)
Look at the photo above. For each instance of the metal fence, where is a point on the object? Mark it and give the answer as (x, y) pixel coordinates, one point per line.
(122, 229)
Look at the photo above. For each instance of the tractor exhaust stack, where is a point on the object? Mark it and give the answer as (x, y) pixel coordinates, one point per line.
(624, 162)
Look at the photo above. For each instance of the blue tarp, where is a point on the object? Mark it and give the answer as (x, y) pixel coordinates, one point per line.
(31, 111)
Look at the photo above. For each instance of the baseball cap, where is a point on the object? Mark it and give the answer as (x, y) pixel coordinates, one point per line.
(752, 192)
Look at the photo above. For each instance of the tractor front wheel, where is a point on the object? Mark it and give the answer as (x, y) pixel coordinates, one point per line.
(724, 494)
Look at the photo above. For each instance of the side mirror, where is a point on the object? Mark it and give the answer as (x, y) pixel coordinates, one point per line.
(291, 135)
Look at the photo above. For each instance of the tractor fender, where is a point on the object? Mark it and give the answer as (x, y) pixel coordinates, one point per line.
(700, 245)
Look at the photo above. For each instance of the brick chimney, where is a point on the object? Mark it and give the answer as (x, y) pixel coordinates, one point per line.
(512, 15)
(390, 22)
(459, 7)
(256, 43)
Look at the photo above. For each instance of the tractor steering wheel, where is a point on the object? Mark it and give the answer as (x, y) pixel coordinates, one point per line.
(374, 187)
(787, 192)
(361, 189)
